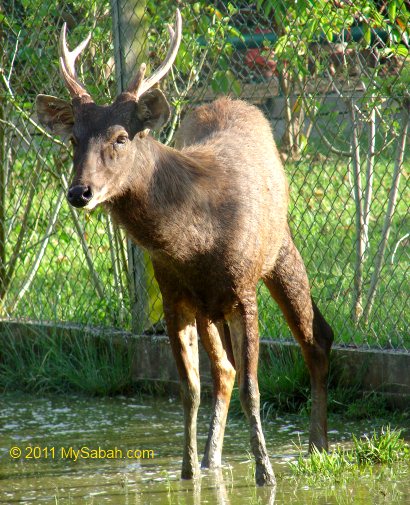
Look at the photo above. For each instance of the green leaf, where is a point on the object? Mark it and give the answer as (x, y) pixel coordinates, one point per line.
(367, 34)
(280, 45)
(236, 87)
(392, 9)
(328, 33)
(196, 8)
(235, 32)
(302, 142)
(225, 82)
(402, 50)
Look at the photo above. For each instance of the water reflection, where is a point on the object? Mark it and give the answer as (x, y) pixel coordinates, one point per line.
(156, 424)
(218, 487)
(220, 494)
(214, 488)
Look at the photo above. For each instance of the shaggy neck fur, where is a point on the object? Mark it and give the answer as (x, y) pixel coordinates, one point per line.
(168, 185)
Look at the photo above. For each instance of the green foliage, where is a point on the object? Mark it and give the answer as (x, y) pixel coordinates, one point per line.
(61, 363)
(321, 465)
(206, 33)
(321, 219)
(322, 212)
(307, 35)
(284, 386)
(386, 447)
(33, 28)
(284, 383)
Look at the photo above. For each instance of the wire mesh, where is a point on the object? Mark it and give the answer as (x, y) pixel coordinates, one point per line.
(332, 77)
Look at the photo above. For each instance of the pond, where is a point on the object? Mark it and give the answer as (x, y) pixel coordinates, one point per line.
(142, 440)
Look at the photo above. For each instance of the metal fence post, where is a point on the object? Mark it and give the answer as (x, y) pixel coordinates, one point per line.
(2, 203)
(130, 34)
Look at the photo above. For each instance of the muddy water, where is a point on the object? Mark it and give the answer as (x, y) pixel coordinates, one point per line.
(44, 436)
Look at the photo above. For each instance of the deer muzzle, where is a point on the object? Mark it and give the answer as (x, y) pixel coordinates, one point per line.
(79, 196)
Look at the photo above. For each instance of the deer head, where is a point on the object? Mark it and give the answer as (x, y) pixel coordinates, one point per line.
(108, 141)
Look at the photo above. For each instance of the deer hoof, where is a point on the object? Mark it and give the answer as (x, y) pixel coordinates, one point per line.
(190, 473)
(264, 476)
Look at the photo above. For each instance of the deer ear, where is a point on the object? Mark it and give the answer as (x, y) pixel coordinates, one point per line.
(153, 109)
(55, 115)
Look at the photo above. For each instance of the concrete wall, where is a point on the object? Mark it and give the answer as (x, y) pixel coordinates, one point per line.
(386, 372)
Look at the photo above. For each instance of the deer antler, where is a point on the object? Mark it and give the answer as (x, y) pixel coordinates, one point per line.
(67, 64)
(139, 85)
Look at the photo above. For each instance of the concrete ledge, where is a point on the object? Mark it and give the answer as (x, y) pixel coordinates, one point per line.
(386, 372)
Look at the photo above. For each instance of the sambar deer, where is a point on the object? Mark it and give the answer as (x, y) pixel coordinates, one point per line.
(212, 213)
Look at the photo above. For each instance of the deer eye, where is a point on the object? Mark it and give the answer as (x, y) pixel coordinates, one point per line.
(121, 139)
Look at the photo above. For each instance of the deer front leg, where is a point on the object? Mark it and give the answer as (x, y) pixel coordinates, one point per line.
(223, 375)
(243, 325)
(184, 343)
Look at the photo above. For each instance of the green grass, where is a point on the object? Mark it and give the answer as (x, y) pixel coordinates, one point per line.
(97, 365)
(321, 219)
(61, 363)
(384, 448)
(284, 383)
(322, 215)
(284, 386)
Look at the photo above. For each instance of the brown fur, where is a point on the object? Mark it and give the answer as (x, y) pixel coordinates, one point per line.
(212, 214)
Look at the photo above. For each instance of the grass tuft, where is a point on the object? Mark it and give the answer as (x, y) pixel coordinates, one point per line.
(321, 465)
(384, 448)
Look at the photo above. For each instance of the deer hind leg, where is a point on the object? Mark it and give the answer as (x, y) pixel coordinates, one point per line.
(184, 344)
(243, 326)
(223, 374)
(289, 286)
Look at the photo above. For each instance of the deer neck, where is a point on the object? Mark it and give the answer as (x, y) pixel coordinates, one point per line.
(168, 187)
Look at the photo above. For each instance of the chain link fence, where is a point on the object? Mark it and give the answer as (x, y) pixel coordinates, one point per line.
(332, 76)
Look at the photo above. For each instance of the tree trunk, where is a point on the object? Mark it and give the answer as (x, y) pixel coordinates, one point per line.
(130, 36)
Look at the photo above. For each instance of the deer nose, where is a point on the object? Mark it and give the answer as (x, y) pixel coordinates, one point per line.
(78, 196)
